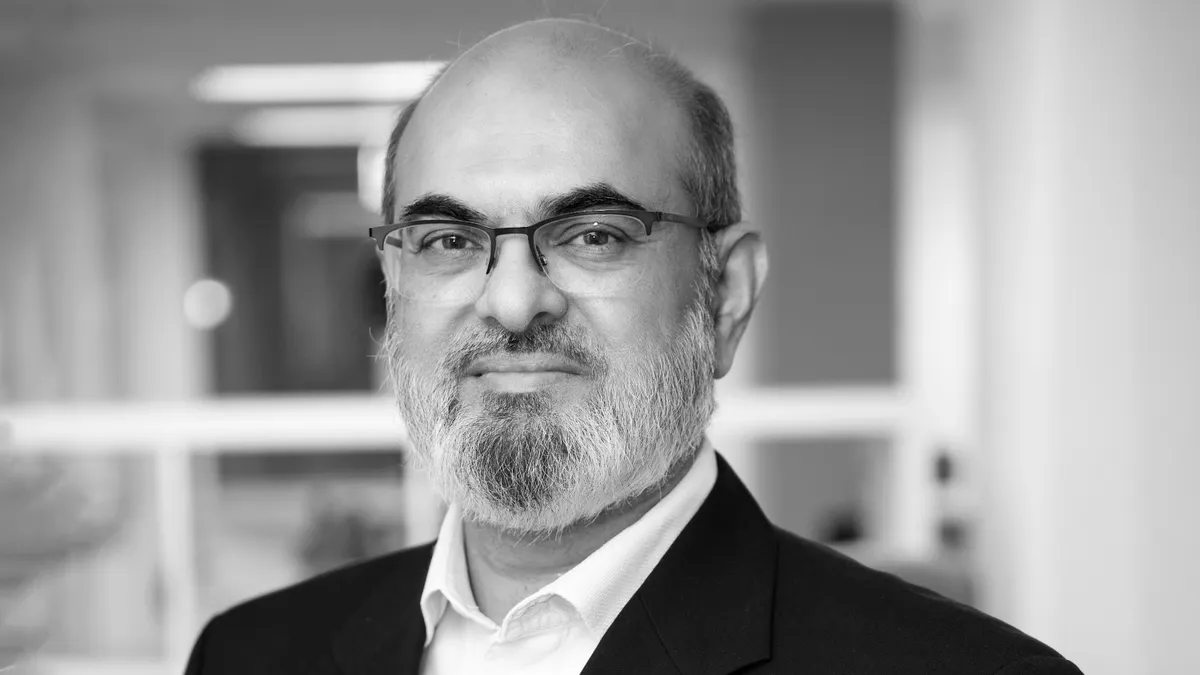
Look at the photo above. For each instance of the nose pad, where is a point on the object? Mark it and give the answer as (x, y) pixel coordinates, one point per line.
(536, 250)
(535, 254)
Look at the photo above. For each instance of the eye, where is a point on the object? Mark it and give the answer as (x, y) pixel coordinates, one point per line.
(595, 232)
(596, 238)
(593, 236)
(440, 239)
(450, 242)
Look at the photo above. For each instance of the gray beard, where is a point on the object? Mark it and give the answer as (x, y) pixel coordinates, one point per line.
(531, 464)
(515, 449)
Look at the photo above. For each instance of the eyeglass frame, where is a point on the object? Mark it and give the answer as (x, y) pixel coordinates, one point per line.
(648, 218)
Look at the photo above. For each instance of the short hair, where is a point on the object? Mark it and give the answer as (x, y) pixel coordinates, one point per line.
(707, 168)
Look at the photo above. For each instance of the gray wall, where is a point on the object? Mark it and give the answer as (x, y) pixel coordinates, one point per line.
(822, 82)
(823, 87)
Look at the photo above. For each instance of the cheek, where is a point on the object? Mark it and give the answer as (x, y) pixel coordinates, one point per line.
(642, 323)
(670, 291)
(421, 332)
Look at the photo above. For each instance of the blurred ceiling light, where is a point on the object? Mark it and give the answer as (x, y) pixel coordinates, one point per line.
(207, 303)
(315, 82)
(316, 126)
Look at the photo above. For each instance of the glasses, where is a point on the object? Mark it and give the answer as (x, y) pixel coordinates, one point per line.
(588, 253)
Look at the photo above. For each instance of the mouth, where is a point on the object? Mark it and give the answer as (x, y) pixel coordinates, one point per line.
(522, 373)
(524, 364)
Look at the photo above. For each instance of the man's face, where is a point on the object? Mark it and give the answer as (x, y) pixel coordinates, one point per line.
(534, 408)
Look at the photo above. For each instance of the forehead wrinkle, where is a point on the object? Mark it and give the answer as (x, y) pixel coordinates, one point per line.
(511, 142)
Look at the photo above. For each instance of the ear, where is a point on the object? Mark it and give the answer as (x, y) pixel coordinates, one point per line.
(743, 272)
(388, 260)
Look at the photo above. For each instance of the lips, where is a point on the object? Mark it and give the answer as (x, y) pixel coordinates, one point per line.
(523, 363)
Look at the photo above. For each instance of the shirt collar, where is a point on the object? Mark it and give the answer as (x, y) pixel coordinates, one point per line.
(447, 581)
(599, 586)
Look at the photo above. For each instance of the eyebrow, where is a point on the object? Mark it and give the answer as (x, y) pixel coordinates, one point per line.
(582, 198)
(442, 206)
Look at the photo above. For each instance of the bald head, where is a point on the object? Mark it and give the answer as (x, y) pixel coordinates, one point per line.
(558, 43)
(547, 69)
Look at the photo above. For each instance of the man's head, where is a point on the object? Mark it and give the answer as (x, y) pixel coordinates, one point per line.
(546, 118)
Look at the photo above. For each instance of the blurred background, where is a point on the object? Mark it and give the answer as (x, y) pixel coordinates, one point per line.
(976, 363)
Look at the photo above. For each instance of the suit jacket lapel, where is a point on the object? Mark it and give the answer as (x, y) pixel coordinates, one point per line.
(706, 608)
(631, 645)
(387, 634)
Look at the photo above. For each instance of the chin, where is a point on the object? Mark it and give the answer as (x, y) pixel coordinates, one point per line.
(541, 523)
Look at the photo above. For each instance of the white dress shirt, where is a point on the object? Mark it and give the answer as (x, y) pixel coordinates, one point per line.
(556, 629)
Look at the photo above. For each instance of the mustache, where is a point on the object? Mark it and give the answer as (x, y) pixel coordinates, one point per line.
(553, 338)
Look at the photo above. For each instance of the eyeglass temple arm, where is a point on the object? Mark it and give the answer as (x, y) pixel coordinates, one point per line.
(687, 220)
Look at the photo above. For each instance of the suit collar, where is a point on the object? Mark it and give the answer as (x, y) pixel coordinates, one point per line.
(707, 607)
(386, 636)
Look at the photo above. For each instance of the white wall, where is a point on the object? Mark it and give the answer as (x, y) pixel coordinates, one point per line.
(1089, 124)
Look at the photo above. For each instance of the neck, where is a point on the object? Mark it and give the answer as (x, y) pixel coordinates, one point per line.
(506, 567)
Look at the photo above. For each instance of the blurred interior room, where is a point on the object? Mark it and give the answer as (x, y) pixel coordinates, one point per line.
(976, 363)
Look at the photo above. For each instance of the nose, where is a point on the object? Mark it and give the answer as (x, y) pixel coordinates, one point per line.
(516, 294)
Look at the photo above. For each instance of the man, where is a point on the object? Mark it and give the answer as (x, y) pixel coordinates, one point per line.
(566, 276)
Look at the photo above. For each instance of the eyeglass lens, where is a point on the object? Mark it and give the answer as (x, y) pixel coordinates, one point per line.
(590, 255)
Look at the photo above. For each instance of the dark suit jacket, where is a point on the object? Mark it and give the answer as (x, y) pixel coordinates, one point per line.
(732, 594)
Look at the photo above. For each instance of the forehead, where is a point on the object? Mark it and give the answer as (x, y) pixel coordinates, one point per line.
(503, 138)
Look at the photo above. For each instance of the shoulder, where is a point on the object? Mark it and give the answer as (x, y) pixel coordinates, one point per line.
(880, 623)
(307, 615)
(335, 593)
